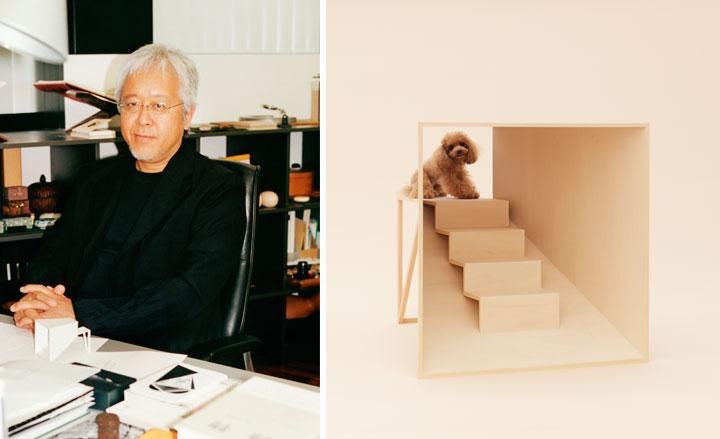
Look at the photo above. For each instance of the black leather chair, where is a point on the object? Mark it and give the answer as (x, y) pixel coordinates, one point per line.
(232, 342)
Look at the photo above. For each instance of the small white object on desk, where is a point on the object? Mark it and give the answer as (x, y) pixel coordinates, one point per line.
(53, 336)
(268, 199)
(301, 199)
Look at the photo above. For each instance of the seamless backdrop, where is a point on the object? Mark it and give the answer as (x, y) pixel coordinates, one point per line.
(390, 65)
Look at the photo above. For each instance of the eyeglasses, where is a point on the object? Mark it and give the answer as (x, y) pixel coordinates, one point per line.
(133, 107)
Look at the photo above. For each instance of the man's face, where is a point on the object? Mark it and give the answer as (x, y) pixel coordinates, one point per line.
(153, 137)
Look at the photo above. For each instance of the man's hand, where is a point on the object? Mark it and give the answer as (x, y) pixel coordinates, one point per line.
(41, 302)
(26, 319)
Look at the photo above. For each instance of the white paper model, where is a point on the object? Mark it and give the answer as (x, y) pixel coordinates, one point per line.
(53, 336)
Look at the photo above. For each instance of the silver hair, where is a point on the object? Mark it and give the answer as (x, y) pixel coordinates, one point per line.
(159, 55)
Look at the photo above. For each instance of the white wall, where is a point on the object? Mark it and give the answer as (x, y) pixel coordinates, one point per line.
(230, 86)
(18, 71)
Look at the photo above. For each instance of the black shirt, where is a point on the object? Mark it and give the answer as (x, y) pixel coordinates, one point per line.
(133, 198)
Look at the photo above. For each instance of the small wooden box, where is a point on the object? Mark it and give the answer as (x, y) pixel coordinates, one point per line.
(15, 193)
(12, 209)
(301, 183)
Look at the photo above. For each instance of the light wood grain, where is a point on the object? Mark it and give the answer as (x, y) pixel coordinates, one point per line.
(452, 213)
(12, 167)
(486, 245)
(582, 196)
(519, 312)
(451, 344)
(481, 278)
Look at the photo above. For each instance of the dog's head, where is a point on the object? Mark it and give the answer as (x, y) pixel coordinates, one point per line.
(459, 147)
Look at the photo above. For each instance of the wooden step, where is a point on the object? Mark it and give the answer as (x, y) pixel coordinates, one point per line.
(500, 277)
(486, 245)
(519, 311)
(452, 213)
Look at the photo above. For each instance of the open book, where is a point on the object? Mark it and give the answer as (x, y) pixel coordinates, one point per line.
(102, 101)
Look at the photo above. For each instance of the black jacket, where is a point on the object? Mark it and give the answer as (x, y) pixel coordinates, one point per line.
(168, 274)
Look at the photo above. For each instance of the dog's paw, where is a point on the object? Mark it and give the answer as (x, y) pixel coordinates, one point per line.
(469, 195)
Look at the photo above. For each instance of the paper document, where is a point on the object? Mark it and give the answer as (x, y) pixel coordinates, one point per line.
(257, 408)
(135, 364)
(283, 393)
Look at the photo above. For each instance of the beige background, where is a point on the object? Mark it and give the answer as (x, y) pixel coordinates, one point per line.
(392, 64)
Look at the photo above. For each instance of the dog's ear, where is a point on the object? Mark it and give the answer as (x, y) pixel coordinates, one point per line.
(445, 142)
(473, 150)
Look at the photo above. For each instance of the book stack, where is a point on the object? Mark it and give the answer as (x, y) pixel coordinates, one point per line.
(93, 129)
(303, 238)
(163, 398)
(40, 397)
(42, 417)
(261, 122)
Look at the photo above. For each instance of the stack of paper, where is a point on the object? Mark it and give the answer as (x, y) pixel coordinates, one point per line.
(161, 399)
(42, 396)
(257, 408)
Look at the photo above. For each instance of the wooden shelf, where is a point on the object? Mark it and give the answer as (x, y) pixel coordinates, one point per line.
(238, 132)
(21, 235)
(257, 293)
(26, 139)
(314, 203)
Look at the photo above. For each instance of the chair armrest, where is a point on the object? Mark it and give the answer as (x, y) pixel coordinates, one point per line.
(222, 347)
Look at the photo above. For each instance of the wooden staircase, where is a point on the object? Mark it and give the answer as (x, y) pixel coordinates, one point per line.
(496, 273)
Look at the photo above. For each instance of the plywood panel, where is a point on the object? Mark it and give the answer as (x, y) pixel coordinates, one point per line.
(486, 245)
(452, 213)
(519, 312)
(581, 194)
(12, 167)
(451, 343)
(481, 278)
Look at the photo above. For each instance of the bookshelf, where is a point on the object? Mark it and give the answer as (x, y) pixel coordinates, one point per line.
(268, 148)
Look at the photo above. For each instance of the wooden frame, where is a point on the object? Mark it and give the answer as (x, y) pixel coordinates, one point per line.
(587, 222)
(404, 286)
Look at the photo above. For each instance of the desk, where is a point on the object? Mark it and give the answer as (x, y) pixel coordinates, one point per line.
(232, 373)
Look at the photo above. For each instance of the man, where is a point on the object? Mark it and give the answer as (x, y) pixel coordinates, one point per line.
(145, 242)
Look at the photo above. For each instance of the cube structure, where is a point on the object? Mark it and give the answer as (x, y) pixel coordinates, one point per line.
(553, 272)
(53, 336)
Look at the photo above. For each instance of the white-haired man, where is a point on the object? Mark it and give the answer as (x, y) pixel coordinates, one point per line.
(146, 240)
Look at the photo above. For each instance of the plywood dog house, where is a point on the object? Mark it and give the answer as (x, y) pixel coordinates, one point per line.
(552, 272)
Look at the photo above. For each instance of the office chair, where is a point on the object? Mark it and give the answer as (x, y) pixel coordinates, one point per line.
(232, 341)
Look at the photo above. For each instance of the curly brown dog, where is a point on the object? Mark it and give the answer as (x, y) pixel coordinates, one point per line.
(444, 172)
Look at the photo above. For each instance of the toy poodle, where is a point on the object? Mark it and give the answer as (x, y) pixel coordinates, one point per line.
(444, 172)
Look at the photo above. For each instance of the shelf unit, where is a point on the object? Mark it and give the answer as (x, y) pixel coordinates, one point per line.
(268, 148)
